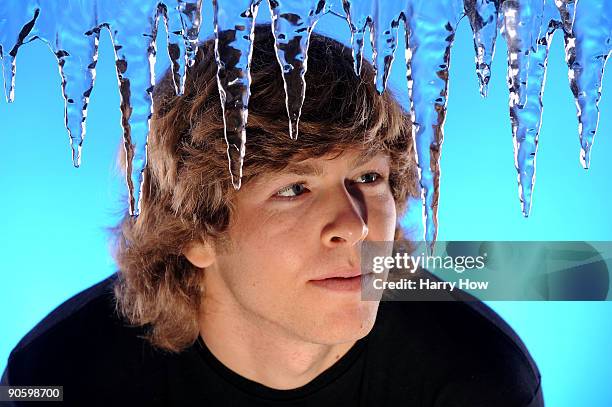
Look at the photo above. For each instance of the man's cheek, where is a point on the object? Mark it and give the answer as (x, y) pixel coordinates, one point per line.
(381, 223)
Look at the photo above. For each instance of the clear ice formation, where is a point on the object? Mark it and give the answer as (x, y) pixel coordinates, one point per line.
(587, 48)
(234, 31)
(521, 22)
(76, 52)
(383, 23)
(526, 117)
(71, 28)
(359, 18)
(430, 31)
(17, 20)
(134, 31)
(292, 23)
(191, 20)
(483, 17)
(133, 36)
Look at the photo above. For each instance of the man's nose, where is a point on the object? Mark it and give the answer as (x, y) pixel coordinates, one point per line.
(347, 218)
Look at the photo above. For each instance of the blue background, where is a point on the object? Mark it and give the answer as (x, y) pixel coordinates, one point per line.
(53, 217)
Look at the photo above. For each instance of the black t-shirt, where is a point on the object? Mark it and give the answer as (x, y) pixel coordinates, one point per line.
(417, 354)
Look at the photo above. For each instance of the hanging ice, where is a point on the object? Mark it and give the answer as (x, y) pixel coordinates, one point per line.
(234, 30)
(383, 23)
(384, 32)
(359, 18)
(71, 28)
(521, 25)
(526, 118)
(430, 31)
(69, 31)
(483, 16)
(292, 23)
(134, 31)
(191, 19)
(17, 19)
(587, 50)
(567, 12)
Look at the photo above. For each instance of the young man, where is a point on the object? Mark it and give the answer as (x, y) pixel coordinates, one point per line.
(252, 297)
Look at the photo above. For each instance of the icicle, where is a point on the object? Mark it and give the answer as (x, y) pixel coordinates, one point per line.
(72, 27)
(234, 32)
(17, 19)
(292, 23)
(567, 12)
(191, 18)
(359, 17)
(133, 31)
(483, 16)
(587, 48)
(527, 118)
(383, 23)
(521, 22)
(430, 31)
(70, 30)
(176, 45)
(384, 39)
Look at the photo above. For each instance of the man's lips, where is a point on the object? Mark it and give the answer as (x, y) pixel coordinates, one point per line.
(340, 273)
(347, 280)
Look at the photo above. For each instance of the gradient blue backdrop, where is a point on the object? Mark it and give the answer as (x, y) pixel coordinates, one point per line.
(53, 217)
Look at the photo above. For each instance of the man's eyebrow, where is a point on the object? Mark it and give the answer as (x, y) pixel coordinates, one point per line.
(362, 159)
(309, 169)
(303, 169)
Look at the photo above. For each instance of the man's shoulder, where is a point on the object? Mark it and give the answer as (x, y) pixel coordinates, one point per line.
(82, 337)
(91, 302)
(464, 347)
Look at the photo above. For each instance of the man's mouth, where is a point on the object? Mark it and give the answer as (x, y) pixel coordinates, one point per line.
(345, 280)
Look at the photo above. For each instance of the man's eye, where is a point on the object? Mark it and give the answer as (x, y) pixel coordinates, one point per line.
(292, 190)
(368, 178)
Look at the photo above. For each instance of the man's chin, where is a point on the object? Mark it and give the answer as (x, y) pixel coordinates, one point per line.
(346, 325)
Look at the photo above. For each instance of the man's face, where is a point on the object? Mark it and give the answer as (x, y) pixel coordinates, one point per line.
(299, 225)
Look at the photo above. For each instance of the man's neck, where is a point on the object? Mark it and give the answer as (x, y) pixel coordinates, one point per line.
(260, 351)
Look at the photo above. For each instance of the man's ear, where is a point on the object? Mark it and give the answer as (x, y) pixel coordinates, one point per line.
(200, 254)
